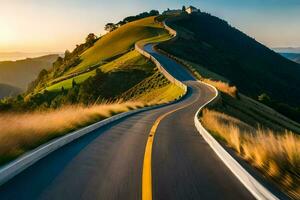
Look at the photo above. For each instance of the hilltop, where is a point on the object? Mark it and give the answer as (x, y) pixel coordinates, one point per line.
(255, 69)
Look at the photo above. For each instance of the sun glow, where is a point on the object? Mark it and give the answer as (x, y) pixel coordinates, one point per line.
(8, 36)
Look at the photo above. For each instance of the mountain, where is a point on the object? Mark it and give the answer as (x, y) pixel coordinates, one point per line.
(255, 69)
(21, 72)
(8, 90)
(287, 49)
(13, 56)
(292, 56)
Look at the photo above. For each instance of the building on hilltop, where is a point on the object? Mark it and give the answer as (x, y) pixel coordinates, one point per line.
(172, 12)
(189, 10)
(192, 9)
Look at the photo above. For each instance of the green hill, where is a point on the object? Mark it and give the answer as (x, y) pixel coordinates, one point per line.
(119, 41)
(8, 90)
(103, 69)
(20, 73)
(106, 49)
(215, 45)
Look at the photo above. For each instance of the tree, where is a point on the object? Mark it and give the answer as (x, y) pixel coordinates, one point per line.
(67, 54)
(154, 12)
(73, 83)
(42, 74)
(183, 8)
(90, 39)
(264, 98)
(110, 27)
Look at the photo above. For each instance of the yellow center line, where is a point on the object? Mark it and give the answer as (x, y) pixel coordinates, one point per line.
(147, 171)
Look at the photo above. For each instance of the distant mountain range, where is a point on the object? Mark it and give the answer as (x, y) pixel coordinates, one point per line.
(13, 56)
(8, 90)
(20, 73)
(287, 49)
(292, 56)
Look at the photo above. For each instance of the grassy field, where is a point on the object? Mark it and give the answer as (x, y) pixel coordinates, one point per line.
(129, 61)
(114, 47)
(144, 82)
(276, 154)
(119, 41)
(41, 126)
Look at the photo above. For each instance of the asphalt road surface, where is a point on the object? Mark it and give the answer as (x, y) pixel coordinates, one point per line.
(107, 163)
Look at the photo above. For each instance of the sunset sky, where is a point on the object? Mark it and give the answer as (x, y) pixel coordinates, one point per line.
(56, 25)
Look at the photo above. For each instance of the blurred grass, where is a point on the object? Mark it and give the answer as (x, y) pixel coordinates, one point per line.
(277, 155)
(21, 132)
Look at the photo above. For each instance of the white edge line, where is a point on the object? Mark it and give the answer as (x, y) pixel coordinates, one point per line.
(18, 165)
(254, 187)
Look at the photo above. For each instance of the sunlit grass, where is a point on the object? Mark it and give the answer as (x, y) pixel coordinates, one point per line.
(277, 155)
(222, 86)
(120, 41)
(20, 132)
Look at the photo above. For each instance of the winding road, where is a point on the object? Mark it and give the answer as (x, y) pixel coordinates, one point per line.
(108, 163)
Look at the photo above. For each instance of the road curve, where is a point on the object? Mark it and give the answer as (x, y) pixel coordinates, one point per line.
(108, 162)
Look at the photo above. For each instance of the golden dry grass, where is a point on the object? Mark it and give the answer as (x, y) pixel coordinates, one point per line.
(20, 132)
(222, 86)
(277, 155)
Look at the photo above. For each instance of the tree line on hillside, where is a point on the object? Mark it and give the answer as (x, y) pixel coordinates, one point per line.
(112, 26)
(62, 64)
(95, 89)
(285, 109)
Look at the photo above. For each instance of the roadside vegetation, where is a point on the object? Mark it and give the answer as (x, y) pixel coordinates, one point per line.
(222, 86)
(21, 132)
(256, 132)
(276, 154)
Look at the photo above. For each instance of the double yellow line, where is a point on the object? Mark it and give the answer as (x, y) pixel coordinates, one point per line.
(147, 166)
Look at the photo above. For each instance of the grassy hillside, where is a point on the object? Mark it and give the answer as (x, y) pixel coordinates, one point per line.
(20, 73)
(252, 67)
(8, 90)
(129, 61)
(119, 41)
(114, 46)
(292, 56)
(103, 69)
